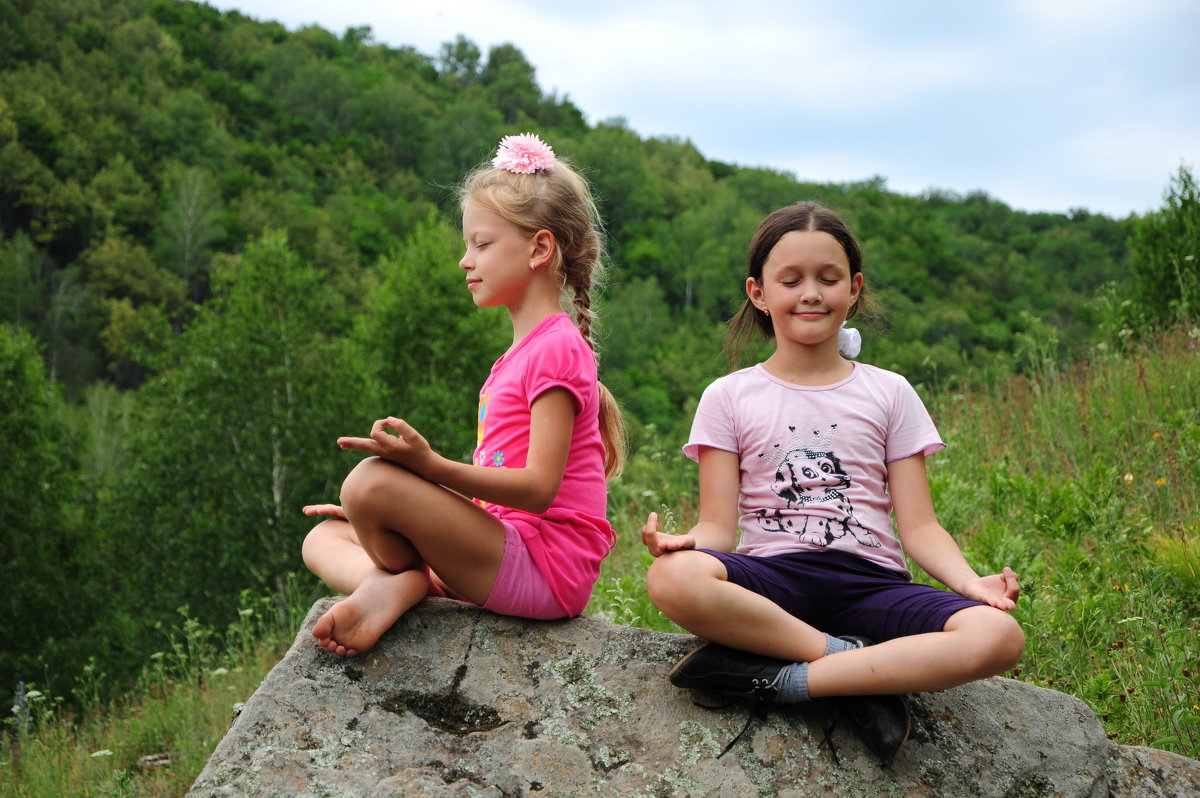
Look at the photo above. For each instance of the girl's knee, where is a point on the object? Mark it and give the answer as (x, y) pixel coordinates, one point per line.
(676, 575)
(993, 643)
(371, 477)
(1003, 643)
(316, 541)
(1010, 642)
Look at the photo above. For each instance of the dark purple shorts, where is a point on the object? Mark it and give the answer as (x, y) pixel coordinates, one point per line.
(841, 594)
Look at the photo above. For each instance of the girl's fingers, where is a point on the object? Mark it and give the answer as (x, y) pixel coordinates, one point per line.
(324, 509)
(398, 425)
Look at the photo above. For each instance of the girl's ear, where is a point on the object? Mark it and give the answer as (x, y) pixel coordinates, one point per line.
(755, 293)
(856, 286)
(541, 249)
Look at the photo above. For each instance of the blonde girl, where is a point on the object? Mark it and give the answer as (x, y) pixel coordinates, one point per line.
(520, 530)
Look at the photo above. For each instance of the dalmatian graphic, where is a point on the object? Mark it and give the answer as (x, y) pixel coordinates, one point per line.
(808, 475)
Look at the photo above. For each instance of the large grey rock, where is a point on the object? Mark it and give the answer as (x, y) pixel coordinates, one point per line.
(457, 701)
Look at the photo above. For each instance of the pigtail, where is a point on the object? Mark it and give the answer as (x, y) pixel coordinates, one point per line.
(612, 434)
(612, 425)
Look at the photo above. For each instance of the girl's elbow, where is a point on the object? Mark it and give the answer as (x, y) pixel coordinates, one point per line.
(541, 497)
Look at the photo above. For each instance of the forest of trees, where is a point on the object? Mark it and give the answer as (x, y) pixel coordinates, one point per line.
(223, 244)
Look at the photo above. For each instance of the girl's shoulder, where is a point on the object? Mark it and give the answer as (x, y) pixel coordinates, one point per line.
(734, 382)
(879, 375)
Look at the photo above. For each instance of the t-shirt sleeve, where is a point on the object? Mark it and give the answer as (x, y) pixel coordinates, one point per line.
(563, 362)
(911, 430)
(713, 423)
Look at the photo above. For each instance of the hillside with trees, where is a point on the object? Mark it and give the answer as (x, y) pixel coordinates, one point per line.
(224, 243)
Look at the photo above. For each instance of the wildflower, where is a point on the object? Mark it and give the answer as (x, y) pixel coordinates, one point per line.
(1156, 435)
(20, 710)
(1160, 481)
(1128, 478)
(100, 753)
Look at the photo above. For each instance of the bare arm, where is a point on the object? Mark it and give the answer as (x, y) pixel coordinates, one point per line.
(717, 526)
(531, 488)
(931, 546)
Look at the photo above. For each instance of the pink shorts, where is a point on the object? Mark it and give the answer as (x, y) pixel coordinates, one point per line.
(519, 589)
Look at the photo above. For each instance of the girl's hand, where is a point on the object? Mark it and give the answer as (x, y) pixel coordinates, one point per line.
(659, 543)
(405, 448)
(326, 509)
(998, 590)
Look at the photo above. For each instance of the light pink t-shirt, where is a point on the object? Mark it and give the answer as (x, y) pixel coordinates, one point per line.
(814, 459)
(569, 540)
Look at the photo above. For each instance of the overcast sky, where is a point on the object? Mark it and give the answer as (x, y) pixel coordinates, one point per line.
(1044, 104)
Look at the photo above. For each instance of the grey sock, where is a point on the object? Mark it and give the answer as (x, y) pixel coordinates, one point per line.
(793, 684)
(835, 644)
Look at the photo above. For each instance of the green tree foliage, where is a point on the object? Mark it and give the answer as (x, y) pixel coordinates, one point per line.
(1165, 253)
(42, 559)
(232, 437)
(190, 227)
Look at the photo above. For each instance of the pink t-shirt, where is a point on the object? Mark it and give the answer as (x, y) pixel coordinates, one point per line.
(814, 459)
(569, 540)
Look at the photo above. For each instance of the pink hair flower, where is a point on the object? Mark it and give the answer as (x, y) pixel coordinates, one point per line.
(523, 154)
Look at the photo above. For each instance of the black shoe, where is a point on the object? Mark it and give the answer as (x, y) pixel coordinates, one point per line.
(881, 720)
(729, 672)
(858, 640)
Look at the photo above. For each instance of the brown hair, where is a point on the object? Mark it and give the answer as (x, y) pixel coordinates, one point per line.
(801, 217)
(559, 200)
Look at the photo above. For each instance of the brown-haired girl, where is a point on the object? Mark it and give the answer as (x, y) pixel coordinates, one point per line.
(803, 460)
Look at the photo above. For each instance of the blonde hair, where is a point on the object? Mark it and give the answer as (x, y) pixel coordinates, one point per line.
(559, 200)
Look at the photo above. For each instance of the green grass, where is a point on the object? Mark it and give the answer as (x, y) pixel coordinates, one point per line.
(156, 740)
(1084, 482)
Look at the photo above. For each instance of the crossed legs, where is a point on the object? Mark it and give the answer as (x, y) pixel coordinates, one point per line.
(398, 523)
(692, 589)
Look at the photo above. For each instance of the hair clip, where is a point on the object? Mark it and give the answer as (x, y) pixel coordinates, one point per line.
(523, 154)
(849, 342)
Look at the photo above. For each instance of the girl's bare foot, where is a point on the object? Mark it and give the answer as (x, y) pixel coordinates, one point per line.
(356, 623)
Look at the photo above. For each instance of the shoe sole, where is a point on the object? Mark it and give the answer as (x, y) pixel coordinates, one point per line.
(679, 665)
(903, 740)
